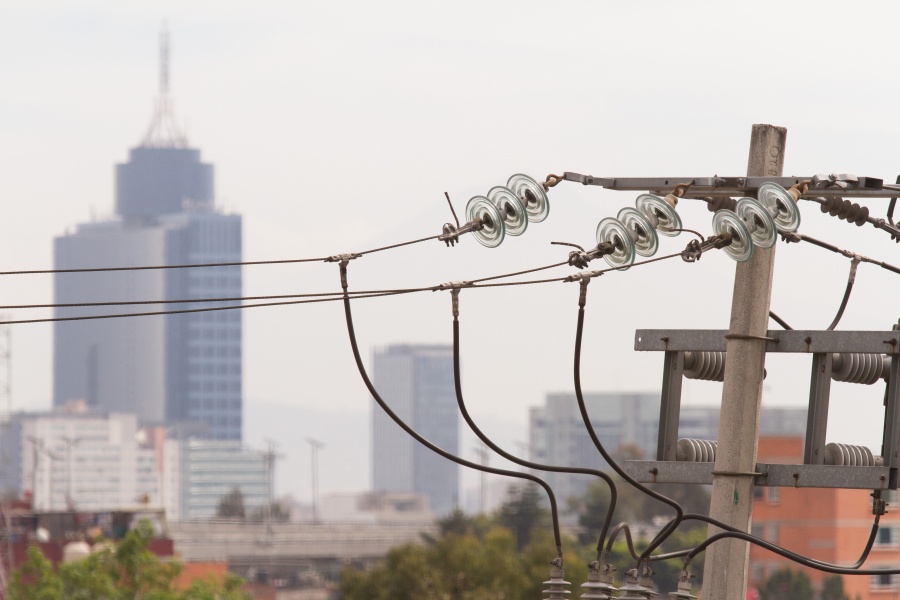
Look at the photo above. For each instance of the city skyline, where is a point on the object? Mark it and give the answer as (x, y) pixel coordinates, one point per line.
(335, 143)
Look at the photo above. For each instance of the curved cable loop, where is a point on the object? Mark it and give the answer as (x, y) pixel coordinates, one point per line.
(680, 515)
(802, 560)
(457, 379)
(784, 551)
(422, 440)
(851, 278)
(669, 528)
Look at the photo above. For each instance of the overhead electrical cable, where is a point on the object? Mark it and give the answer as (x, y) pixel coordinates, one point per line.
(216, 264)
(457, 381)
(669, 528)
(422, 440)
(190, 310)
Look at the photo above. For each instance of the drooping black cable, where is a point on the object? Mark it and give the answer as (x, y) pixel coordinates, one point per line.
(582, 407)
(806, 562)
(859, 562)
(851, 278)
(673, 524)
(457, 379)
(554, 513)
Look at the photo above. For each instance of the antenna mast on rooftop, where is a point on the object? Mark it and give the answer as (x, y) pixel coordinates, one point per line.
(164, 131)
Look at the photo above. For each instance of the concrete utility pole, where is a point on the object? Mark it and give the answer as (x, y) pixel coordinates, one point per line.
(732, 495)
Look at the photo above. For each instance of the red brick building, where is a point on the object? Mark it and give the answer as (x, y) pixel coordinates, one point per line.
(831, 525)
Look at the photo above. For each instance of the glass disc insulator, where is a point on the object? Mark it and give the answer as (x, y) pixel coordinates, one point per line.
(759, 222)
(512, 211)
(662, 216)
(646, 241)
(741, 246)
(493, 231)
(780, 205)
(614, 231)
(532, 195)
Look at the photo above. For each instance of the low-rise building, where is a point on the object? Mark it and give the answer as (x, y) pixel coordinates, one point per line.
(830, 525)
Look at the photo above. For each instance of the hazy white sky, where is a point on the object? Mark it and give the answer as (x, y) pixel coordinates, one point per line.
(337, 126)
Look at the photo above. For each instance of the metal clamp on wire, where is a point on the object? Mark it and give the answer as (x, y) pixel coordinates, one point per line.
(695, 249)
(451, 233)
(342, 257)
(583, 276)
(879, 506)
(452, 285)
(582, 257)
(845, 181)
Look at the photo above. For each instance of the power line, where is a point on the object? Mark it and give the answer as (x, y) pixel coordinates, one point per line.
(332, 258)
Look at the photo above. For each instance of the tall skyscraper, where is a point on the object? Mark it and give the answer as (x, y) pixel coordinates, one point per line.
(167, 369)
(416, 381)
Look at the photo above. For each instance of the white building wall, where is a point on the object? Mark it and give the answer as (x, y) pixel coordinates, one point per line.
(96, 459)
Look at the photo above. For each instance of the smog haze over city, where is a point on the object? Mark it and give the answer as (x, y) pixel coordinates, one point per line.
(337, 127)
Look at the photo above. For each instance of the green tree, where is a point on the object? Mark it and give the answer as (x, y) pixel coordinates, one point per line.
(127, 572)
(786, 583)
(464, 566)
(833, 588)
(523, 511)
(231, 505)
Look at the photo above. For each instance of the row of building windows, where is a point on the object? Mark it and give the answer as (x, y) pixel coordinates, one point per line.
(214, 333)
(215, 316)
(217, 350)
(215, 369)
(234, 403)
(215, 386)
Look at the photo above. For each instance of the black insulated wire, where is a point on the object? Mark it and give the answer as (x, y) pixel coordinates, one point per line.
(851, 278)
(554, 513)
(582, 407)
(801, 560)
(780, 321)
(457, 379)
(859, 562)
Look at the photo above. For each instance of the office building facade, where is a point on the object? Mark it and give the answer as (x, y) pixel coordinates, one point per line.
(417, 383)
(166, 369)
(78, 460)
